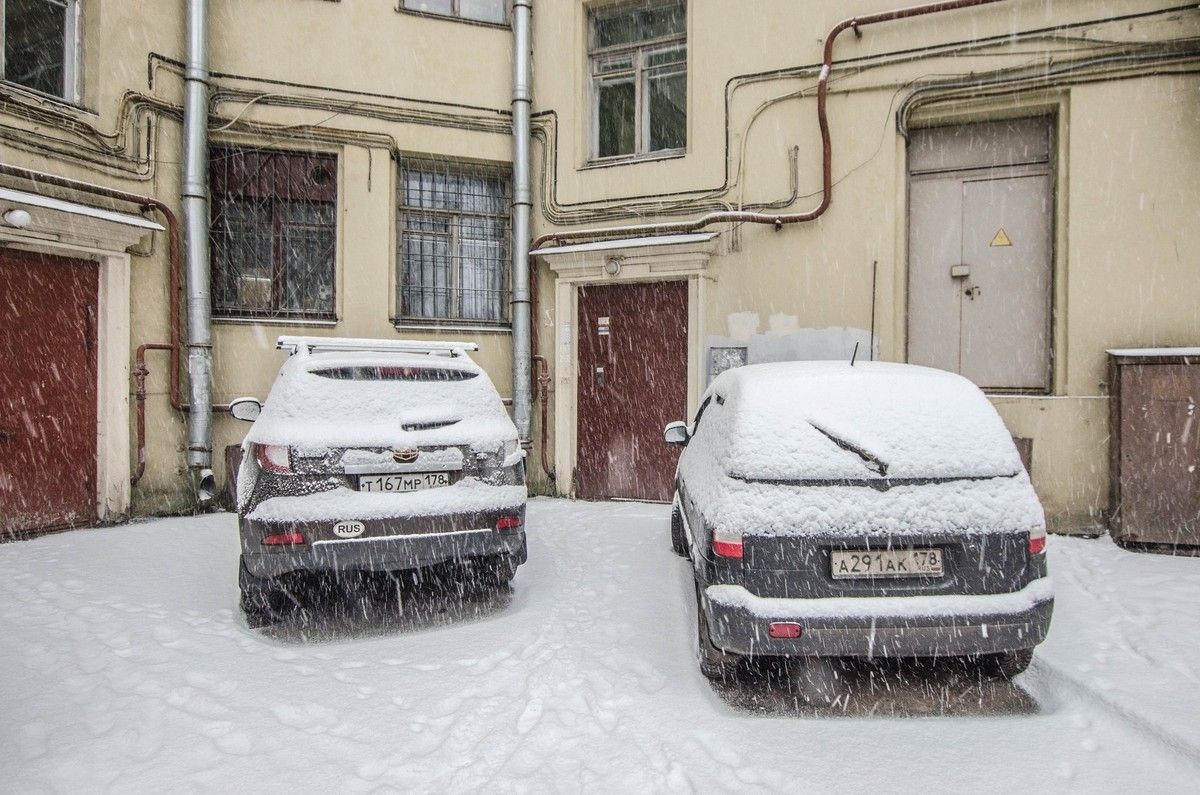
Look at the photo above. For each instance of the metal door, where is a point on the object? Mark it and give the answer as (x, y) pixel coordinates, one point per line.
(980, 252)
(632, 382)
(1160, 450)
(48, 308)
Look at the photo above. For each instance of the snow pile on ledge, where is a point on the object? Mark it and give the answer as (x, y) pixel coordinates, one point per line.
(468, 495)
(311, 411)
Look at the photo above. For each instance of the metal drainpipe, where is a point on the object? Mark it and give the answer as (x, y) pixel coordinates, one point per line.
(194, 196)
(522, 204)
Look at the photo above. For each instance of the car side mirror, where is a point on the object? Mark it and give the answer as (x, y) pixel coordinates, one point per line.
(676, 433)
(246, 409)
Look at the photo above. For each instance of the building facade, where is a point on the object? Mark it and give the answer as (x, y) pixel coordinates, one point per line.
(1013, 191)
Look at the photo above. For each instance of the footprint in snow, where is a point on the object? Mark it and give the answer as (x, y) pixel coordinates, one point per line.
(530, 717)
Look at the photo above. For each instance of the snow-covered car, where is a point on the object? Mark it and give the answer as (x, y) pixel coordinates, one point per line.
(868, 510)
(376, 456)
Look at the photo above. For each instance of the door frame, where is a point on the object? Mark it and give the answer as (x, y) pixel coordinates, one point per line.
(1054, 106)
(685, 261)
(113, 464)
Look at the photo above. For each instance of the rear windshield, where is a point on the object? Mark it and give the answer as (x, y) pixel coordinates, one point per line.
(377, 373)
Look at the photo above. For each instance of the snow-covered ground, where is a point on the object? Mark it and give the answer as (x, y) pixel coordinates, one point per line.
(126, 666)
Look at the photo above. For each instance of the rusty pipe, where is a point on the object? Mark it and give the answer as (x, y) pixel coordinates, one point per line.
(543, 398)
(776, 219)
(140, 371)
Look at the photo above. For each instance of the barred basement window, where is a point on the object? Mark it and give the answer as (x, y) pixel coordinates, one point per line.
(452, 262)
(274, 231)
(41, 45)
(638, 57)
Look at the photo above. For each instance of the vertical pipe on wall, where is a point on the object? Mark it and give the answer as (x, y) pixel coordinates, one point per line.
(522, 204)
(194, 196)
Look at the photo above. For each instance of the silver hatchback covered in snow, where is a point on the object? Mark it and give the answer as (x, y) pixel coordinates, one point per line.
(373, 456)
(874, 510)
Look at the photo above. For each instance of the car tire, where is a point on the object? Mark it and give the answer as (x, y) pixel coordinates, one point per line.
(679, 541)
(497, 571)
(715, 664)
(1007, 664)
(261, 604)
(816, 679)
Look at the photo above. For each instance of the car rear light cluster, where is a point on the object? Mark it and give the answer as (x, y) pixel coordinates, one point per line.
(274, 458)
(283, 540)
(1037, 544)
(508, 523)
(727, 544)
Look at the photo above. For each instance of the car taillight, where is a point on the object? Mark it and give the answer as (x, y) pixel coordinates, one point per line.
(1037, 544)
(283, 540)
(727, 544)
(508, 523)
(274, 458)
(785, 629)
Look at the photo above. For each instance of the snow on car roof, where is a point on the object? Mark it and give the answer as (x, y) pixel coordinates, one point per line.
(874, 420)
(369, 399)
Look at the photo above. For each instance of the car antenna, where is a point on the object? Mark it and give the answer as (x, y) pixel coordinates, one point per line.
(854, 355)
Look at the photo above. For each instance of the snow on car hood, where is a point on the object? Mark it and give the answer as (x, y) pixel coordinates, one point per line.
(828, 421)
(308, 410)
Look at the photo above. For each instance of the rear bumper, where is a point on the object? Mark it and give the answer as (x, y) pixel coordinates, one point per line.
(386, 544)
(916, 626)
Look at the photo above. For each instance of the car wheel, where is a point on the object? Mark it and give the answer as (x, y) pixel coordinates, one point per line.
(261, 604)
(678, 538)
(717, 665)
(1007, 664)
(497, 571)
(816, 680)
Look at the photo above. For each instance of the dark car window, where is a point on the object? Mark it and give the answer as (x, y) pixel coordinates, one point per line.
(374, 373)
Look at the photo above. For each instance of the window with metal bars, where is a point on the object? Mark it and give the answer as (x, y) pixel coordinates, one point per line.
(274, 233)
(638, 57)
(452, 258)
(41, 45)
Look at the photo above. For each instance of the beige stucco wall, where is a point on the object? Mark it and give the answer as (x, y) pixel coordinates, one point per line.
(1128, 163)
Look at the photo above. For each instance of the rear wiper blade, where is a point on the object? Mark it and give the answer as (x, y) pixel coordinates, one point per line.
(872, 461)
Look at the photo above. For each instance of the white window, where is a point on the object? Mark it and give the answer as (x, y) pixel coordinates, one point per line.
(452, 263)
(41, 45)
(638, 58)
(494, 11)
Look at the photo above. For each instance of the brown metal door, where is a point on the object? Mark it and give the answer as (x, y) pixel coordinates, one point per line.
(1160, 453)
(632, 382)
(47, 391)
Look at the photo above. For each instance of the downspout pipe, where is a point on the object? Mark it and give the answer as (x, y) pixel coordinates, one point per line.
(522, 206)
(194, 198)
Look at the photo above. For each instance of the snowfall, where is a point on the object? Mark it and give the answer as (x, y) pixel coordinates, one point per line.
(128, 667)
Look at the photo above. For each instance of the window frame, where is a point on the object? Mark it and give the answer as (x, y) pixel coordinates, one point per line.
(640, 73)
(278, 265)
(454, 217)
(456, 15)
(72, 53)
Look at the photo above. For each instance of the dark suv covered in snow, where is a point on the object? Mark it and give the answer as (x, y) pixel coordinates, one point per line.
(375, 456)
(876, 510)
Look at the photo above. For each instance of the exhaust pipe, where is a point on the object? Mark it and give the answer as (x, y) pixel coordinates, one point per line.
(194, 197)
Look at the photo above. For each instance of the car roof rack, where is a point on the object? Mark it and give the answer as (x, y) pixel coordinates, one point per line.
(294, 345)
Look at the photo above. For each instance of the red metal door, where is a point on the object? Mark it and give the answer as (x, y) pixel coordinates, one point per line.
(632, 382)
(47, 391)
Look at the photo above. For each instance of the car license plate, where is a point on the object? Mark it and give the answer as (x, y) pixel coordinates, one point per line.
(415, 481)
(849, 564)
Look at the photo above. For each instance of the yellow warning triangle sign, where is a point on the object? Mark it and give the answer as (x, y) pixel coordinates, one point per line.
(1001, 239)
